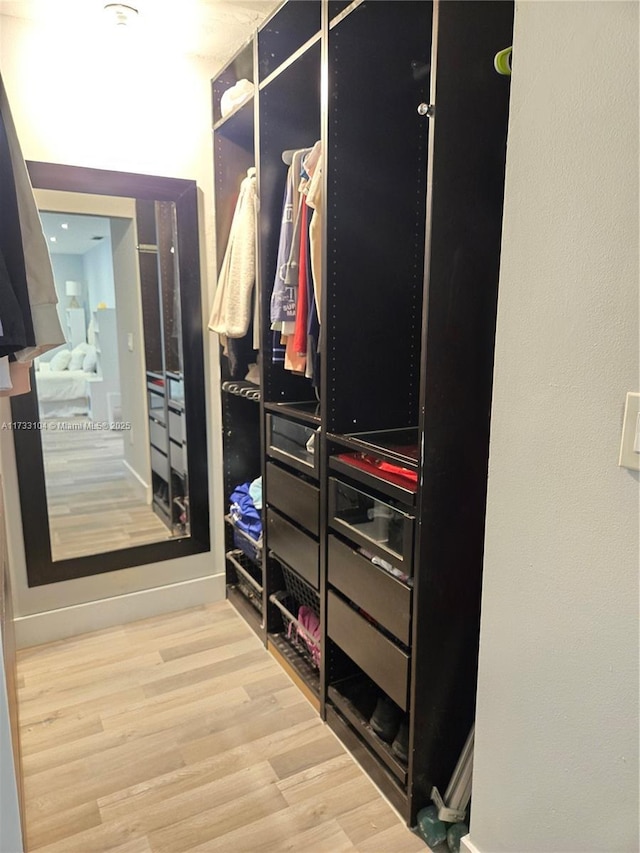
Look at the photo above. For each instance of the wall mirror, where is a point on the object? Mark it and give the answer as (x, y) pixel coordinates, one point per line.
(111, 442)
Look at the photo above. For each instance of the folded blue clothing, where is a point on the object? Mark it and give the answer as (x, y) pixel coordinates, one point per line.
(244, 513)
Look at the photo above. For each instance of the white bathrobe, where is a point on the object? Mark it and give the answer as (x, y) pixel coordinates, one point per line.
(231, 311)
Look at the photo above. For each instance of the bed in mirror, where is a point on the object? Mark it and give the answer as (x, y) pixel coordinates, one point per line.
(111, 444)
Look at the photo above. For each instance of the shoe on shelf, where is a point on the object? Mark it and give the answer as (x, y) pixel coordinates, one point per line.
(385, 720)
(400, 745)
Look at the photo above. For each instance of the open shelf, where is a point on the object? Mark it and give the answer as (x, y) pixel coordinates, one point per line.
(351, 710)
(238, 124)
(376, 769)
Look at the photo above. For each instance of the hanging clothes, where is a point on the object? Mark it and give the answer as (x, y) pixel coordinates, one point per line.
(232, 311)
(13, 336)
(43, 330)
(283, 296)
(302, 313)
(314, 201)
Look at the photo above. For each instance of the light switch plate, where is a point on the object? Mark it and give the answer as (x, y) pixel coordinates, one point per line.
(630, 444)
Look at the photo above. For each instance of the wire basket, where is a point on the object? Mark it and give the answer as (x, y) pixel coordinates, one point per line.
(299, 589)
(246, 581)
(251, 547)
(298, 594)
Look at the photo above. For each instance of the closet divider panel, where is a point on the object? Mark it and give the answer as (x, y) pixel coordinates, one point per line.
(234, 155)
(464, 234)
(150, 287)
(378, 66)
(285, 32)
(241, 441)
(289, 119)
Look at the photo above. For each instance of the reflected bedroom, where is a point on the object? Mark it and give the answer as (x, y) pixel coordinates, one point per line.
(96, 428)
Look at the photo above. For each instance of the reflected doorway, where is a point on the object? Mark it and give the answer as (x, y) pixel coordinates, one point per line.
(103, 491)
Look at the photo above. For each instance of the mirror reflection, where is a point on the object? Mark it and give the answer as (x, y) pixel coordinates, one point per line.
(111, 401)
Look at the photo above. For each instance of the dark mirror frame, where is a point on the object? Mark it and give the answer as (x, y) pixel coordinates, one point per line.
(41, 569)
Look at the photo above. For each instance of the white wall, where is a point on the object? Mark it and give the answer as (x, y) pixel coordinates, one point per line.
(131, 361)
(10, 827)
(556, 759)
(98, 274)
(140, 112)
(65, 268)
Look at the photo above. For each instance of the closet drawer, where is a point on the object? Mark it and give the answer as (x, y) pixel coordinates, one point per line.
(296, 498)
(158, 435)
(293, 443)
(160, 464)
(376, 655)
(155, 403)
(294, 547)
(380, 527)
(178, 458)
(383, 597)
(176, 426)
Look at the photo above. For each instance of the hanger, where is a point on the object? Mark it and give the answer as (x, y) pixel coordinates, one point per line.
(287, 155)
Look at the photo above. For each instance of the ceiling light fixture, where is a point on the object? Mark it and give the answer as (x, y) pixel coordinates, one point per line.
(64, 226)
(119, 14)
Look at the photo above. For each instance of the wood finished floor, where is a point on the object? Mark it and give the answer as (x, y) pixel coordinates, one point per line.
(181, 733)
(93, 504)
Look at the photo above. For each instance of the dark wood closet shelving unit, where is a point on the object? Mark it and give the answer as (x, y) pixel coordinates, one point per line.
(412, 208)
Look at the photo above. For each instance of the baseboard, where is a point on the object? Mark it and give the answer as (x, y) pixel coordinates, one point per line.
(467, 846)
(143, 487)
(38, 628)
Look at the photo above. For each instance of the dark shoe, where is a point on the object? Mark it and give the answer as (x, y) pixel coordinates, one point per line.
(400, 746)
(385, 720)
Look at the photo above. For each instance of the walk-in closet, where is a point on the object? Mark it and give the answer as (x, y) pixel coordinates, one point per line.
(356, 395)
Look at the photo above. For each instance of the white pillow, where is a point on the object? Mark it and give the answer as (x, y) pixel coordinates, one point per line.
(61, 360)
(90, 361)
(77, 358)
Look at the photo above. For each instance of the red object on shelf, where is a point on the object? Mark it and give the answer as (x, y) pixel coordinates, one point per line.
(403, 477)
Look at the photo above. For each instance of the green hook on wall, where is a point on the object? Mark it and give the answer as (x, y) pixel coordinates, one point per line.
(502, 62)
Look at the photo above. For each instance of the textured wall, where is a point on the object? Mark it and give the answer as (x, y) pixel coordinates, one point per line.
(556, 765)
(81, 100)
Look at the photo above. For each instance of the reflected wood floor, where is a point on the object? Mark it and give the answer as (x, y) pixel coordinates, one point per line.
(181, 733)
(93, 504)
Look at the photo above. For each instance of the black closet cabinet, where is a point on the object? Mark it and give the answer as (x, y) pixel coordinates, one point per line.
(366, 584)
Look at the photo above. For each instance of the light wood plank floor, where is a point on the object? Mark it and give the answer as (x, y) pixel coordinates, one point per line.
(181, 733)
(93, 504)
